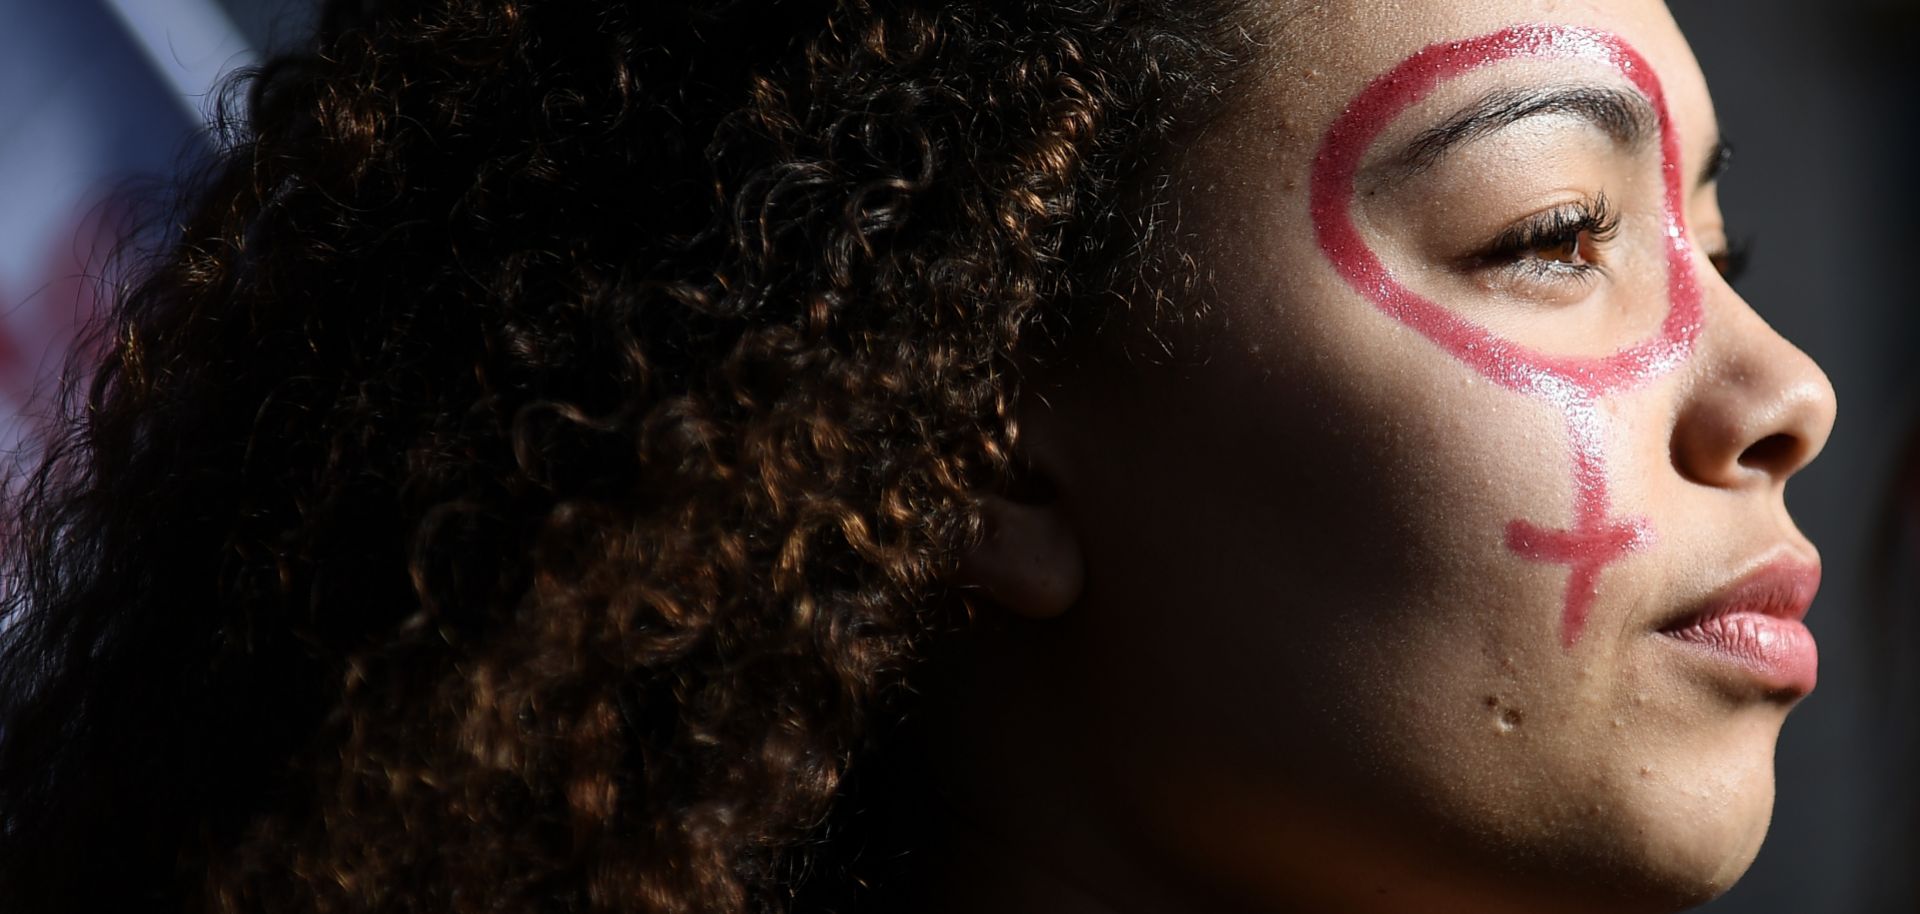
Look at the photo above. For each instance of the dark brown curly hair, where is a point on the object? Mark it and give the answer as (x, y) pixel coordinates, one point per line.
(528, 473)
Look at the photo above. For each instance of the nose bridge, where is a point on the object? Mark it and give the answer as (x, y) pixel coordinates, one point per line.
(1758, 409)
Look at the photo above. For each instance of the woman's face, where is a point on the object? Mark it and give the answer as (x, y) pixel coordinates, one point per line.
(1399, 548)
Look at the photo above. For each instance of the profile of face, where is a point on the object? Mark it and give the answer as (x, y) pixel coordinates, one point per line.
(1437, 558)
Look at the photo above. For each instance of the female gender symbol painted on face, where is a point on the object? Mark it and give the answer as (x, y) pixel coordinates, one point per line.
(1596, 538)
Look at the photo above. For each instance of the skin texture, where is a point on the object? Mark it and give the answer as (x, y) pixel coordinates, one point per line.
(1271, 647)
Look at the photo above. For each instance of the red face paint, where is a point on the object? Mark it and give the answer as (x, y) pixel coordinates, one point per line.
(1596, 538)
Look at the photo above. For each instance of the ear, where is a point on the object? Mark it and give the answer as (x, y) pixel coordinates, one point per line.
(1029, 561)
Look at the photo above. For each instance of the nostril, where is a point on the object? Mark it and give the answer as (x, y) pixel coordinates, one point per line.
(1775, 453)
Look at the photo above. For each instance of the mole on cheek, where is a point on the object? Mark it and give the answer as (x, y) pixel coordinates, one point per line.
(1571, 386)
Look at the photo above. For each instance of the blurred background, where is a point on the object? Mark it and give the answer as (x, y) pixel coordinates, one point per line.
(103, 101)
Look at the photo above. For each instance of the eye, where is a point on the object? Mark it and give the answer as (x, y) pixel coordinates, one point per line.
(1731, 262)
(1560, 243)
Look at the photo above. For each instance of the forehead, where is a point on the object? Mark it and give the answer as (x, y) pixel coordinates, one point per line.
(1322, 54)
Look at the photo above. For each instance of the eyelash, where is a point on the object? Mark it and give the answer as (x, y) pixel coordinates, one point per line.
(1579, 224)
(1575, 225)
(1732, 262)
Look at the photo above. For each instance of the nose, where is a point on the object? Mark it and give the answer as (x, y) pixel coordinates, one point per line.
(1758, 408)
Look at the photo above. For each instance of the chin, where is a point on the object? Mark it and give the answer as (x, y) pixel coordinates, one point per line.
(1654, 820)
(1707, 833)
(1701, 865)
(1663, 862)
(1688, 833)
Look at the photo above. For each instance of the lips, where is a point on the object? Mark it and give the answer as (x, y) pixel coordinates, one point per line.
(1753, 626)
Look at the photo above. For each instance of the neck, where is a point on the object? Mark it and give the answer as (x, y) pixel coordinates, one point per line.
(1028, 819)
(982, 871)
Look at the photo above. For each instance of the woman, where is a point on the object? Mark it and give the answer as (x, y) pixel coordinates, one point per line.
(1072, 456)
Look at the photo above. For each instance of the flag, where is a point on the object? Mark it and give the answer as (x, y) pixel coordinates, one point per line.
(101, 101)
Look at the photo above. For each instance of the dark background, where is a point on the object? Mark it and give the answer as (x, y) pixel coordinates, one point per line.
(1818, 99)
(1820, 104)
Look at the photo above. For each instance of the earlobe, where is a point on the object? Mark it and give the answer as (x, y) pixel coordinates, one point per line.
(1029, 560)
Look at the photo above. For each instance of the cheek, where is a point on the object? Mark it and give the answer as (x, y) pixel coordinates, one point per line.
(1297, 581)
(1310, 513)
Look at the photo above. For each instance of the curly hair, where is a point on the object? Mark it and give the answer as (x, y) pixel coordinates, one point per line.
(525, 477)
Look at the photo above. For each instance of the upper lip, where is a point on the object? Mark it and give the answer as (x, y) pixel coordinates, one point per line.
(1782, 588)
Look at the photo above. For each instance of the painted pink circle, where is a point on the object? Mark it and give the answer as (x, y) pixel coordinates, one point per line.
(1501, 360)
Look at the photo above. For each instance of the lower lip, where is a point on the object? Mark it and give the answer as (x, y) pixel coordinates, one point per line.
(1780, 653)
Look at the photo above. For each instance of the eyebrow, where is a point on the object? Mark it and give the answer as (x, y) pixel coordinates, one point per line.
(1625, 116)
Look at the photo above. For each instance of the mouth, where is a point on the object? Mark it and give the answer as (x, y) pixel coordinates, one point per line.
(1753, 628)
